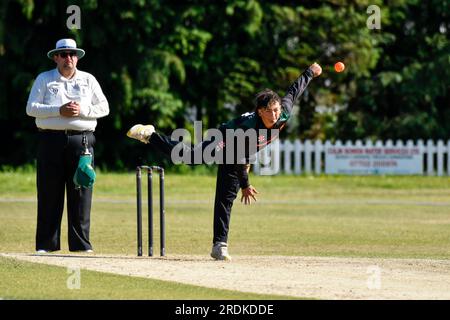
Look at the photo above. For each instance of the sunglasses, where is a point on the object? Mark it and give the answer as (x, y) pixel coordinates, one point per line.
(65, 54)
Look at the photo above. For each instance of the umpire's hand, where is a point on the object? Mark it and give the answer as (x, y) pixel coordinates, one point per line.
(70, 109)
(247, 194)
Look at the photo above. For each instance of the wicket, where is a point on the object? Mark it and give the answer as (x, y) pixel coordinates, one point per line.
(150, 209)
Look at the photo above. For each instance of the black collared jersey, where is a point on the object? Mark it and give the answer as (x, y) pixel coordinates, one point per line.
(251, 120)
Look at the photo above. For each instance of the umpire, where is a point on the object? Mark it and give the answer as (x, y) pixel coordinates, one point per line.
(65, 103)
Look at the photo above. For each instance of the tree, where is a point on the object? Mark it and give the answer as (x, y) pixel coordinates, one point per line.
(407, 94)
(169, 63)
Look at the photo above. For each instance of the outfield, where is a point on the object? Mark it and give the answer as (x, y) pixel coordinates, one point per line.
(298, 216)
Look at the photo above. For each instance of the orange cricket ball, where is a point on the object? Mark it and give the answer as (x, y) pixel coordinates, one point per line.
(339, 66)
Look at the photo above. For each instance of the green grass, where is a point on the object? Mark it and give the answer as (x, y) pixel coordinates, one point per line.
(24, 280)
(388, 217)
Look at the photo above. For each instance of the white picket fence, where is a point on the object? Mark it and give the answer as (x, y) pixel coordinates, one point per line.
(307, 157)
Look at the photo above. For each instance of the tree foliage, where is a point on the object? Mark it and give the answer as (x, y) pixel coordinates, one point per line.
(170, 62)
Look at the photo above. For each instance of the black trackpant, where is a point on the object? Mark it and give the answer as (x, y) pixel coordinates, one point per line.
(227, 183)
(57, 160)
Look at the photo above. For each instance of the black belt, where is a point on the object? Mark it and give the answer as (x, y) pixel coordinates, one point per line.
(66, 132)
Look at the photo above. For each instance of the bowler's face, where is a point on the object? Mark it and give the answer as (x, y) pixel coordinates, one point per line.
(270, 115)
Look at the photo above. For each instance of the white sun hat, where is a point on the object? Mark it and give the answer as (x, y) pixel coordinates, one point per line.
(66, 45)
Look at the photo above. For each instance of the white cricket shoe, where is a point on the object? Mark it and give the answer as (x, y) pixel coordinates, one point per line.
(141, 132)
(220, 251)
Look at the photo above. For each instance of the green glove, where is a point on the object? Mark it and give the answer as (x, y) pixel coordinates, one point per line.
(84, 175)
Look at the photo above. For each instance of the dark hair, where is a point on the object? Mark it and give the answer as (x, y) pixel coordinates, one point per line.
(266, 98)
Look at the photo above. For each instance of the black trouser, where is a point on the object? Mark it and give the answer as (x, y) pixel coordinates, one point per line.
(57, 160)
(227, 183)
